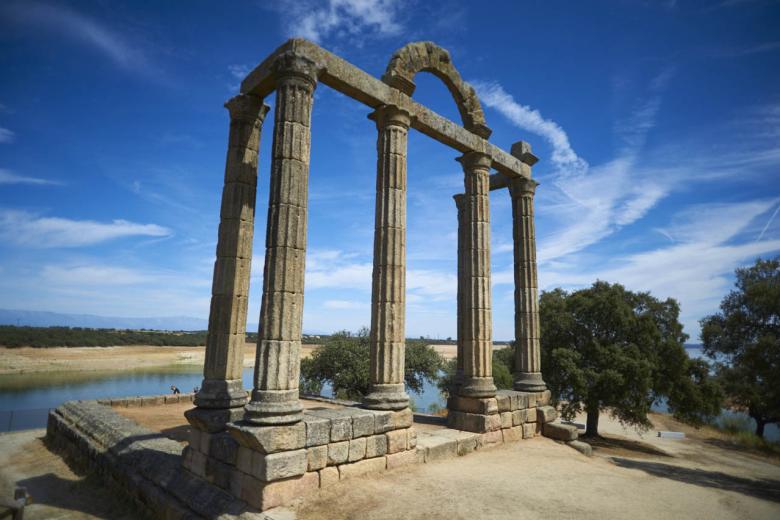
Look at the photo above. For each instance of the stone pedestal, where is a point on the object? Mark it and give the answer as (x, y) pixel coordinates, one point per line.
(528, 375)
(388, 295)
(277, 364)
(222, 394)
(476, 310)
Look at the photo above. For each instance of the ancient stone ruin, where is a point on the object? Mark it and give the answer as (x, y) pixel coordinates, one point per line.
(284, 450)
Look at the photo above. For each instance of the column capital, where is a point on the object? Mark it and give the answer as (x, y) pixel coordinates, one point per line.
(387, 115)
(522, 187)
(289, 65)
(475, 161)
(522, 151)
(460, 199)
(247, 108)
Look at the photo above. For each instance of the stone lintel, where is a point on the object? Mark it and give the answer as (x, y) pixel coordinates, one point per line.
(348, 79)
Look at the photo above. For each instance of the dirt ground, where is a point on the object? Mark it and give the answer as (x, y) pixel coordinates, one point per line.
(629, 476)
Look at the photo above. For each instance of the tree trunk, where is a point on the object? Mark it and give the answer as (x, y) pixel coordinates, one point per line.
(760, 428)
(592, 424)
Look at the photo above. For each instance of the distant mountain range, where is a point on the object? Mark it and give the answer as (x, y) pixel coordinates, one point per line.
(56, 319)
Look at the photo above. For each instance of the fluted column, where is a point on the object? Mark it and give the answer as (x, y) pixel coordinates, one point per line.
(222, 386)
(277, 365)
(388, 295)
(460, 204)
(477, 316)
(528, 375)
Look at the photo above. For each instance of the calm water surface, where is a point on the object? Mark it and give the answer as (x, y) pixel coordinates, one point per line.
(26, 399)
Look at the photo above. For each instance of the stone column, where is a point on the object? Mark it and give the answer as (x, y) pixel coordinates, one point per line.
(277, 364)
(388, 295)
(460, 204)
(528, 374)
(477, 317)
(222, 389)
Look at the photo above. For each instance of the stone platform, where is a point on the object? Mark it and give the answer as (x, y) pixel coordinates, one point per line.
(248, 469)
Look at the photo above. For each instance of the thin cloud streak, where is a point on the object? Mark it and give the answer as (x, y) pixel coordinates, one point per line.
(6, 135)
(7, 177)
(318, 21)
(23, 228)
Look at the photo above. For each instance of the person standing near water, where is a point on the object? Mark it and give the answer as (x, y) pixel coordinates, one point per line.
(175, 389)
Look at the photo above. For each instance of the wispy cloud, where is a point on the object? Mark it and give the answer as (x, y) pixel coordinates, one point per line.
(708, 242)
(23, 228)
(319, 21)
(7, 177)
(6, 135)
(51, 18)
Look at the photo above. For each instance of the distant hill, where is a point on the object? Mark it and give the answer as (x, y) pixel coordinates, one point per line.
(55, 319)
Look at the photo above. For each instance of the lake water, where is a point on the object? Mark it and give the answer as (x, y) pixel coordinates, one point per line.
(25, 399)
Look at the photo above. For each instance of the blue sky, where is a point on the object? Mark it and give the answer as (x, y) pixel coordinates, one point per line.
(657, 125)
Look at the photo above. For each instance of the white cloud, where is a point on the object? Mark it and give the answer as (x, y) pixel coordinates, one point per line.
(6, 135)
(524, 117)
(94, 275)
(344, 304)
(45, 17)
(709, 242)
(7, 177)
(27, 229)
(318, 21)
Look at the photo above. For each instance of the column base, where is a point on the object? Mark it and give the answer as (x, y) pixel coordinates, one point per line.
(221, 393)
(529, 382)
(386, 397)
(478, 387)
(273, 407)
(213, 420)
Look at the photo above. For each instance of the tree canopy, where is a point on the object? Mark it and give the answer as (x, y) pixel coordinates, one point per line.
(744, 340)
(343, 362)
(609, 348)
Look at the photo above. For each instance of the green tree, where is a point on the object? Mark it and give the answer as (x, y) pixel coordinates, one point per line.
(343, 361)
(744, 340)
(608, 348)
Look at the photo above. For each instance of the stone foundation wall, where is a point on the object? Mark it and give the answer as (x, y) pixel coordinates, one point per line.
(149, 400)
(139, 464)
(517, 412)
(268, 466)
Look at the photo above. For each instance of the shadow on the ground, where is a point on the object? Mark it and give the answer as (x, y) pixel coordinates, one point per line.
(766, 489)
(621, 446)
(177, 433)
(749, 450)
(88, 496)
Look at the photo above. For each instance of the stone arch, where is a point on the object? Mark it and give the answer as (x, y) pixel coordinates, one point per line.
(415, 57)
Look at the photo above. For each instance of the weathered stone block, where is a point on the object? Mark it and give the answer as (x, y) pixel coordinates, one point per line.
(223, 448)
(278, 466)
(265, 495)
(198, 463)
(546, 414)
(211, 421)
(560, 432)
(473, 422)
(519, 400)
(504, 400)
(387, 421)
(519, 417)
(340, 422)
(269, 439)
(317, 430)
(582, 447)
(328, 476)
(316, 457)
(338, 453)
(530, 415)
(529, 429)
(376, 446)
(506, 419)
(489, 439)
(512, 434)
(411, 438)
(218, 473)
(438, 447)
(397, 440)
(543, 398)
(357, 469)
(362, 423)
(244, 459)
(357, 449)
(474, 405)
(403, 458)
